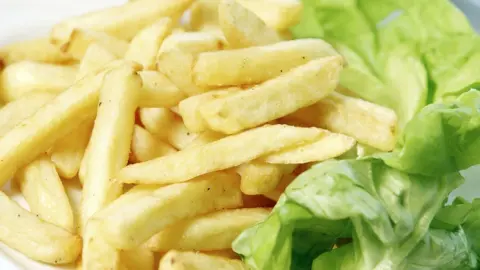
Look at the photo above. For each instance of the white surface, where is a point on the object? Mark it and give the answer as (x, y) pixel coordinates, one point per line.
(22, 19)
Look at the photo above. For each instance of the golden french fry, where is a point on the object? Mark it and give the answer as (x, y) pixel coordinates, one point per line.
(145, 45)
(97, 253)
(24, 77)
(298, 88)
(43, 190)
(222, 154)
(278, 14)
(95, 58)
(368, 123)
(127, 223)
(328, 146)
(215, 231)
(139, 258)
(36, 134)
(157, 121)
(16, 111)
(158, 91)
(203, 13)
(189, 108)
(67, 153)
(109, 145)
(259, 177)
(192, 42)
(121, 21)
(146, 147)
(243, 28)
(35, 238)
(177, 260)
(81, 39)
(179, 136)
(205, 138)
(256, 64)
(38, 50)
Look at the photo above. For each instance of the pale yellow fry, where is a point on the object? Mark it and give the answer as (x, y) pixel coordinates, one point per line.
(215, 231)
(300, 87)
(95, 58)
(243, 28)
(157, 121)
(256, 64)
(203, 13)
(259, 177)
(205, 138)
(328, 146)
(193, 42)
(135, 259)
(18, 110)
(178, 67)
(97, 253)
(109, 145)
(36, 134)
(177, 260)
(128, 225)
(222, 154)
(81, 39)
(67, 154)
(158, 91)
(146, 147)
(189, 108)
(121, 21)
(145, 45)
(179, 136)
(24, 77)
(368, 123)
(35, 238)
(278, 191)
(43, 190)
(38, 50)
(278, 14)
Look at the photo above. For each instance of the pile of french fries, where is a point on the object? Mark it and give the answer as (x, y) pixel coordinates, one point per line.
(182, 132)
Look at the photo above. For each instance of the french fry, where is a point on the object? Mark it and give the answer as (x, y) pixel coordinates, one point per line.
(127, 223)
(282, 185)
(203, 13)
(38, 133)
(158, 91)
(176, 260)
(81, 39)
(215, 231)
(145, 45)
(256, 64)
(139, 258)
(330, 145)
(146, 147)
(25, 77)
(205, 138)
(193, 42)
(368, 123)
(298, 88)
(97, 253)
(189, 108)
(16, 111)
(109, 145)
(67, 153)
(179, 136)
(243, 28)
(259, 177)
(43, 190)
(35, 238)
(94, 59)
(37, 50)
(277, 14)
(157, 121)
(222, 154)
(123, 21)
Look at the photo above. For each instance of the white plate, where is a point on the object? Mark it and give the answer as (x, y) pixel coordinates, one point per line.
(23, 19)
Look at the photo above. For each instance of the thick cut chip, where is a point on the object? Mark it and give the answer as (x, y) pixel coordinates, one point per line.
(25, 77)
(179, 136)
(203, 13)
(193, 42)
(176, 260)
(35, 238)
(243, 28)
(38, 50)
(97, 253)
(215, 231)
(222, 154)
(137, 259)
(96, 57)
(146, 147)
(278, 14)
(158, 91)
(256, 64)
(205, 138)
(127, 222)
(157, 121)
(300, 87)
(278, 191)
(259, 177)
